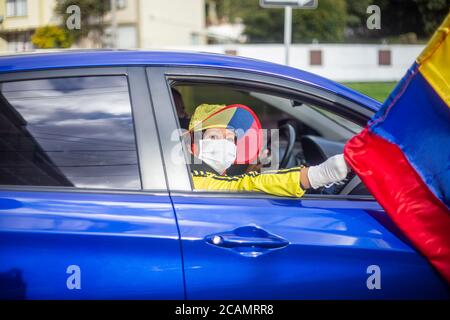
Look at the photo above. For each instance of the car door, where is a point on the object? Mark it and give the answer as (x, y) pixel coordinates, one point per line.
(253, 246)
(79, 217)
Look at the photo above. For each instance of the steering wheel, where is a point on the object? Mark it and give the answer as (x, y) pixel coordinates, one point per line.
(292, 136)
(317, 150)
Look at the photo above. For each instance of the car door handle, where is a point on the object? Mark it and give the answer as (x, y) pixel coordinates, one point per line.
(230, 241)
(247, 240)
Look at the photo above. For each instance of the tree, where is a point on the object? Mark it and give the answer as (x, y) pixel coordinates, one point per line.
(326, 23)
(337, 20)
(433, 13)
(356, 18)
(92, 15)
(400, 19)
(51, 37)
(229, 10)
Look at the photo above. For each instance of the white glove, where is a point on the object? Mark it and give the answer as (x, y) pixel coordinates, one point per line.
(333, 170)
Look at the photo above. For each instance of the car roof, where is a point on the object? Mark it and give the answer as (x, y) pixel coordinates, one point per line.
(103, 58)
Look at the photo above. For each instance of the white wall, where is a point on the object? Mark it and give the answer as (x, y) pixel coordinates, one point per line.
(171, 22)
(340, 62)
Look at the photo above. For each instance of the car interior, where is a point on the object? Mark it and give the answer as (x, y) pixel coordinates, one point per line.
(308, 134)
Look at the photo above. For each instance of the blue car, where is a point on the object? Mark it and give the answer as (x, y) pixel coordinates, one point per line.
(94, 206)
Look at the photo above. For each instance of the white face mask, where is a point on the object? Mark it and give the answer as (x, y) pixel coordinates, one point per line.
(218, 154)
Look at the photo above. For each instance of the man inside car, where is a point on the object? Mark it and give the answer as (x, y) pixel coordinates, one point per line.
(216, 132)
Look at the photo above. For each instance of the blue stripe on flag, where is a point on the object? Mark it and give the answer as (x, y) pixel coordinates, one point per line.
(419, 123)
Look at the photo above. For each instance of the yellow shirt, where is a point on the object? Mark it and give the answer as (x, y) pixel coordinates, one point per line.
(285, 182)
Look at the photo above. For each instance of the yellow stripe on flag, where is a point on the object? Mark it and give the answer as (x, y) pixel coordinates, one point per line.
(434, 61)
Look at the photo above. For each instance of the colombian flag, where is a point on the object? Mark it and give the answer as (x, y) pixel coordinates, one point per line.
(403, 155)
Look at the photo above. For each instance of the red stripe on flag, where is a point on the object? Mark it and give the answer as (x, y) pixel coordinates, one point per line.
(422, 217)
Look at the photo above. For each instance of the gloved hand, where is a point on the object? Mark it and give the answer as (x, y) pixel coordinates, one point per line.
(334, 169)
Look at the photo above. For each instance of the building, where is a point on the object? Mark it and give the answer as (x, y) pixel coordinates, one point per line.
(141, 23)
(19, 19)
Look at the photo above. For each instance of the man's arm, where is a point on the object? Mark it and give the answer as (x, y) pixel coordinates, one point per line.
(285, 183)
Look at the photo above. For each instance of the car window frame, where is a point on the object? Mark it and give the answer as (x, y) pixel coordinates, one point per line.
(150, 164)
(178, 174)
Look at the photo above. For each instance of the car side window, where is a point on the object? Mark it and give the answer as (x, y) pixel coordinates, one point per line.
(71, 132)
(296, 132)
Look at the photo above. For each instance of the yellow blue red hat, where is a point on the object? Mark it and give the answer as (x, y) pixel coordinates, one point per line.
(238, 117)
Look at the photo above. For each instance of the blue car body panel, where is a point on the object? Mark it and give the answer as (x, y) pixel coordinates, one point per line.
(331, 246)
(134, 245)
(126, 247)
(103, 58)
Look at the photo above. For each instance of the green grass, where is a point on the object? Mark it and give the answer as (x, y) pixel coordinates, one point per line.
(377, 90)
